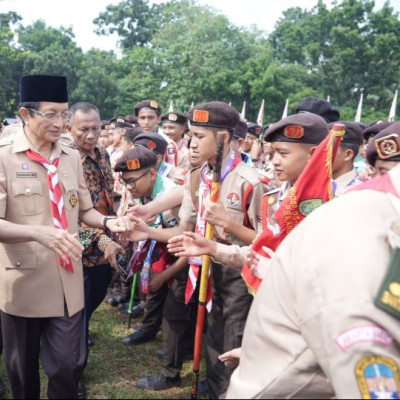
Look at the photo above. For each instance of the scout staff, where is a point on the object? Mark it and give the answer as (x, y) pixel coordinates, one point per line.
(42, 196)
(383, 152)
(324, 326)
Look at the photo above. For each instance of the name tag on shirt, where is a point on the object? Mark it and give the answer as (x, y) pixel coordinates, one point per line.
(24, 175)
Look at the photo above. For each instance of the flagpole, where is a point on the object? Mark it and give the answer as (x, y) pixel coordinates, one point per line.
(359, 109)
(285, 111)
(260, 118)
(171, 106)
(243, 113)
(392, 114)
(205, 269)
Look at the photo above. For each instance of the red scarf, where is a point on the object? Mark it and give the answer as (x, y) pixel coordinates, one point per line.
(56, 195)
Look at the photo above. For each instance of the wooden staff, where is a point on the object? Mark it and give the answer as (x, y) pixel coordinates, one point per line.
(206, 267)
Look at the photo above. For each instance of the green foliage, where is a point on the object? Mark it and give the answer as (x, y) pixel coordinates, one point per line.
(185, 52)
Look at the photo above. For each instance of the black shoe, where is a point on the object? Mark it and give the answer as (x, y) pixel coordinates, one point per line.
(202, 388)
(3, 388)
(187, 355)
(112, 300)
(90, 341)
(138, 338)
(137, 311)
(157, 382)
(123, 306)
(81, 389)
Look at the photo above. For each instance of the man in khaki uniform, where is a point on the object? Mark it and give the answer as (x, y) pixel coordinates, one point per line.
(41, 280)
(314, 330)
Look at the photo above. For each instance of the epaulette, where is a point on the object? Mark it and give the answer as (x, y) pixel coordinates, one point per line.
(6, 141)
(271, 192)
(252, 177)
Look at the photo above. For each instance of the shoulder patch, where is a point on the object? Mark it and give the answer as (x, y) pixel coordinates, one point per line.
(378, 378)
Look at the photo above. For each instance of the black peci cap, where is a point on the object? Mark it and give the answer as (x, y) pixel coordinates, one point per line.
(320, 107)
(37, 88)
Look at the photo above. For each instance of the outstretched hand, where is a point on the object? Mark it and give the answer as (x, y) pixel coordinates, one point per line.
(191, 244)
(139, 231)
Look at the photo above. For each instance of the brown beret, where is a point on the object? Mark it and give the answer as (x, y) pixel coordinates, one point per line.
(152, 141)
(214, 114)
(353, 133)
(375, 128)
(174, 118)
(320, 107)
(120, 123)
(132, 133)
(254, 129)
(240, 131)
(304, 128)
(136, 159)
(385, 146)
(152, 104)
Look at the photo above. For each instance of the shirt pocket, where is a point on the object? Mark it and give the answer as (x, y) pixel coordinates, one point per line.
(18, 256)
(27, 198)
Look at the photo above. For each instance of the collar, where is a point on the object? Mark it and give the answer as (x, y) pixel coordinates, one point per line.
(346, 178)
(98, 150)
(22, 144)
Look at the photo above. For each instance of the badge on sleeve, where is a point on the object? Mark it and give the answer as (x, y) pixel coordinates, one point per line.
(73, 200)
(233, 200)
(378, 378)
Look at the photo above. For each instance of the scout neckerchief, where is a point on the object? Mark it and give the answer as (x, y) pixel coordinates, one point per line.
(56, 196)
(204, 195)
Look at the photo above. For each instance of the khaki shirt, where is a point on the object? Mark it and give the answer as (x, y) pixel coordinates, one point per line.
(232, 191)
(32, 283)
(346, 181)
(313, 325)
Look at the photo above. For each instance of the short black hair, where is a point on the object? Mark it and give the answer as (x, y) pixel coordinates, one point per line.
(30, 105)
(355, 148)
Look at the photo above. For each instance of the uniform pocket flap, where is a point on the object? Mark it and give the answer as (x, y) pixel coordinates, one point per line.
(17, 261)
(26, 188)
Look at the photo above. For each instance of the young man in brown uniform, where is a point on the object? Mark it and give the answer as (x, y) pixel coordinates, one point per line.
(320, 325)
(42, 196)
(231, 300)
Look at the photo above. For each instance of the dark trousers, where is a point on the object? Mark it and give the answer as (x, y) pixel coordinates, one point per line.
(178, 327)
(226, 321)
(154, 311)
(96, 282)
(1, 340)
(60, 345)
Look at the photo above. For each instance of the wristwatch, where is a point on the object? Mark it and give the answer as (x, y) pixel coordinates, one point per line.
(105, 221)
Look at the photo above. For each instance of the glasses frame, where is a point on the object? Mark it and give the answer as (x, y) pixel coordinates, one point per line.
(54, 116)
(132, 181)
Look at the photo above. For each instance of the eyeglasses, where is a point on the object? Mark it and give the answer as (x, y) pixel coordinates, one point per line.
(132, 182)
(52, 116)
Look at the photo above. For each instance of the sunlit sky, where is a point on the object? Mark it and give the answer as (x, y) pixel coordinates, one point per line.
(80, 13)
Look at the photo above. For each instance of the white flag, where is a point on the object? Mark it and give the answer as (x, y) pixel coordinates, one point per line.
(392, 114)
(359, 109)
(285, 111)
(243, 113)
(260, 118)
(192, 105)
(328, 99)
(171, 106)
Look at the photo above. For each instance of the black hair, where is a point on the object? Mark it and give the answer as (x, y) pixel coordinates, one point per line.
(355, 148)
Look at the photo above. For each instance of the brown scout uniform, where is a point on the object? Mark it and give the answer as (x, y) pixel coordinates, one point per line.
(231, 300)
(314, 330)
(32, 283)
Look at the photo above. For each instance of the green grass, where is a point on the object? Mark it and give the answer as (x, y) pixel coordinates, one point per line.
(114, 367)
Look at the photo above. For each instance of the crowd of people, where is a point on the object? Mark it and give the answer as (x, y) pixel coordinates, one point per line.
(117, 211)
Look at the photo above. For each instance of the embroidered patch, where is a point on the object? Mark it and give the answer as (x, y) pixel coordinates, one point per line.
(154, 104)
(233, 200)
(25, 166)
(360, 334)
(378, 378)
(151, 145)
(388, 146)
(294, 132)
(73, 200)
(23, 175)
(173, 117)
(133, 164)
(306, 207)
(258, 130)
(201, 116)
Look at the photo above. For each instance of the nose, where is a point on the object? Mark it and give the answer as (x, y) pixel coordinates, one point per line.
(276, 160)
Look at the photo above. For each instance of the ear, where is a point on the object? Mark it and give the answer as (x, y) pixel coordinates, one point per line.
(349, 155)
(24, 113)
(68, 126)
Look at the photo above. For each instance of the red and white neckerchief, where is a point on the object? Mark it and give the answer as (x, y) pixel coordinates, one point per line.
(171, 155)
(56, 196)
(204, 195)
